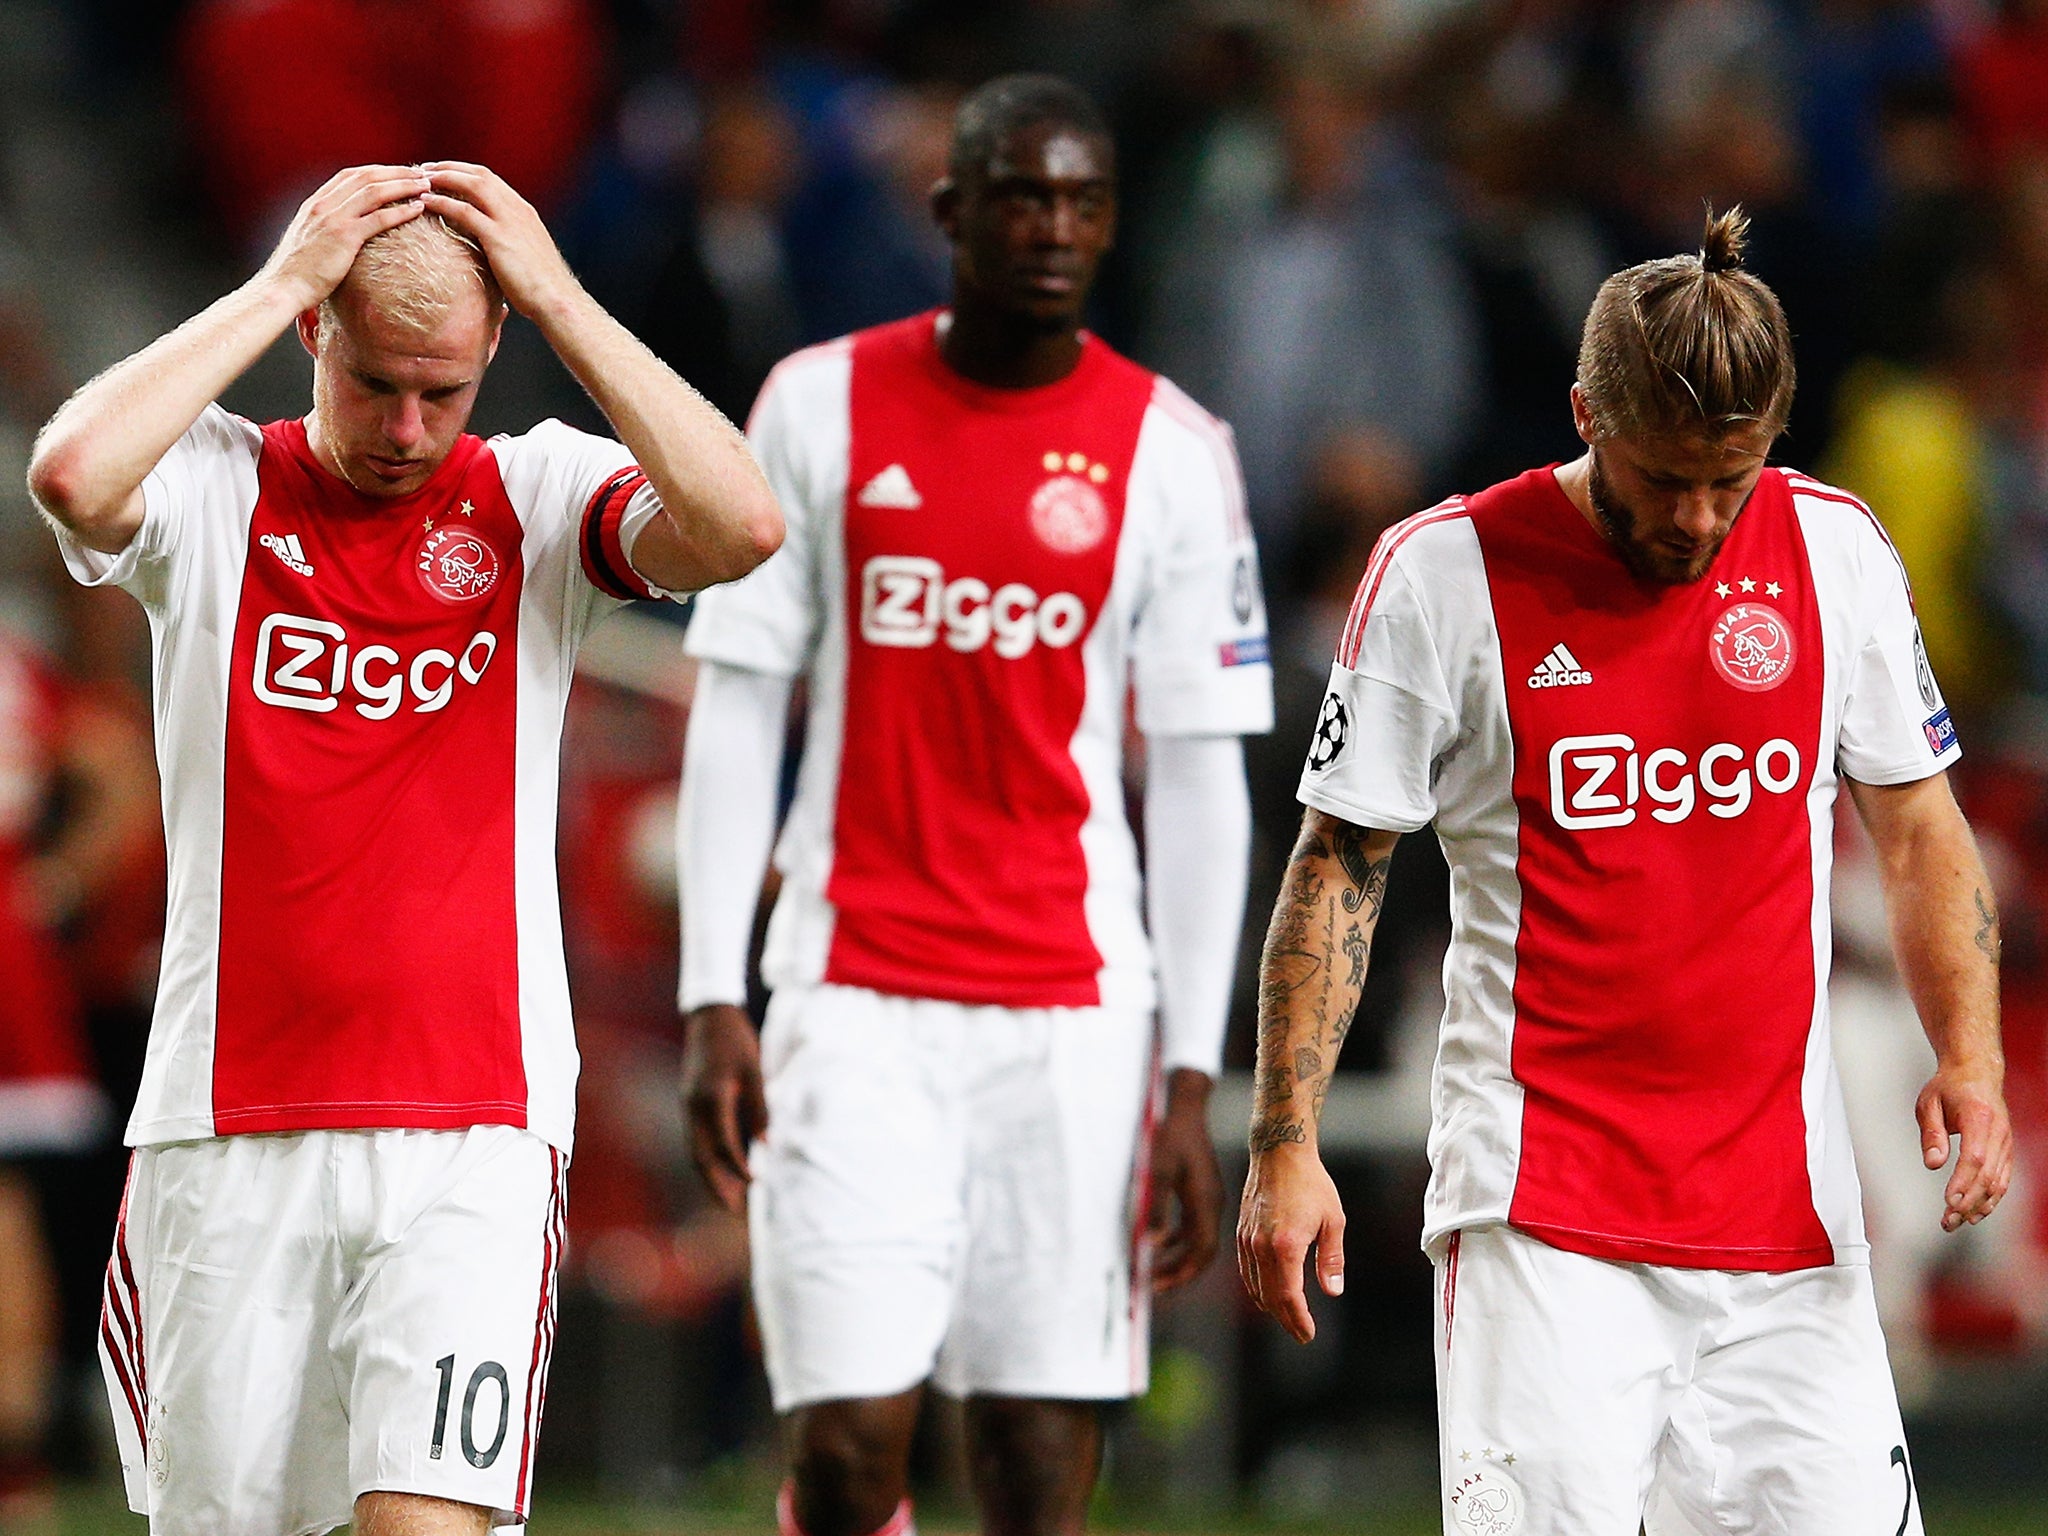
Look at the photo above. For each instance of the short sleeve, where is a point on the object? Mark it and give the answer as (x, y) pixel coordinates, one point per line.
(607, 500)
(769, 620)
(214, 450)
(1201, 664)
(1895, 725)
(1388, 715)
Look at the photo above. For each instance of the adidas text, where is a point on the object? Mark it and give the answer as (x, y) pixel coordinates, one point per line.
(1560, 669)
(287, 548)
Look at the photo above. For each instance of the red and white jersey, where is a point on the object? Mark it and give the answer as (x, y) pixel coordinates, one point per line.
(974, 581)
(358, 716)
(1634, 784)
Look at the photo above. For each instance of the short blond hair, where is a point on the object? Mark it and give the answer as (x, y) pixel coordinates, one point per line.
(416, 272)
(1688, 344)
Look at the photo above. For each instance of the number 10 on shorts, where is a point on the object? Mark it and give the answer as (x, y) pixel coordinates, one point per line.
(490, 1371)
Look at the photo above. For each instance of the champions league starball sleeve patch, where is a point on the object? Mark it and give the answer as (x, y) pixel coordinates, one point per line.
(1332, 735)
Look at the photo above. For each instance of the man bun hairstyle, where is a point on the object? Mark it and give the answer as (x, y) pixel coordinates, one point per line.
(992, 112)
(1688, 344)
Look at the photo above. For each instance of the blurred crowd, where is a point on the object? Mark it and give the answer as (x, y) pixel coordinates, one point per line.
(1364, 232)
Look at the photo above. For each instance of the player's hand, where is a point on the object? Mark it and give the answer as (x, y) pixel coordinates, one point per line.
(1187, 1186)
(523, 255)
(722, 1098)
(1289, 1207)
(1968, 1102)
(320, 244)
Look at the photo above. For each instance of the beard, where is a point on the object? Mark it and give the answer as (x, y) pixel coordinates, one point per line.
(1644, 559)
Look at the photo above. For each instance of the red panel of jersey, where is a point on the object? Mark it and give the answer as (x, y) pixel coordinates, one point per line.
(981, 538)
(369, 966)
(1664, 971)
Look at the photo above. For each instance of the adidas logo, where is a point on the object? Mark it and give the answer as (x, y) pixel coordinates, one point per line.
(1560, 669)
(286, 547)
(891, 488)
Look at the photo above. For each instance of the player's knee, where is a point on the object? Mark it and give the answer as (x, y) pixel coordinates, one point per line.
(850, 1473)
(1034, 1464)
(411, 1514)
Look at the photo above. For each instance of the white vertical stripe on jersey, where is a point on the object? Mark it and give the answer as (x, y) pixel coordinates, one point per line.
(800, 929)
(191, 732)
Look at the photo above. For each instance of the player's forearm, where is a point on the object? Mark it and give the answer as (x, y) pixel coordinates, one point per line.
(719, 518)
(1312, 972)
(1944, 919)
(1198, 830)
(725, 824)
(91, 458)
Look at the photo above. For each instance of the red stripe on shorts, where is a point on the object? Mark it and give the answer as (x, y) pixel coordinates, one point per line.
(122, 1300)
(543, 1331)
(1141, 1251)
(127, 1386)
(1451, 1290)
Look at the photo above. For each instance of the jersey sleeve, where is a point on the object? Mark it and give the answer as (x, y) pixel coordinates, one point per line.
(769, 619)
(1389, 713)
(607, 501)
(1201, 664)
(216, 451)
(1895, 725)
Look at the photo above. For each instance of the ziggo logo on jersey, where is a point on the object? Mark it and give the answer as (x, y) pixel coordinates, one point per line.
(904, 600)
(294, 669)
(1596, 781)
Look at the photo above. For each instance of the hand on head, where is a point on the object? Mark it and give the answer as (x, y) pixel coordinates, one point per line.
(523, 256)
(320, 244)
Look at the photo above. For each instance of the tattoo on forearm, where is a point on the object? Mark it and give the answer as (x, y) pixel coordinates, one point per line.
(1268, 1134)
(1987, 928)
(1306, 1003)
(1367, 877)
(1355, 947)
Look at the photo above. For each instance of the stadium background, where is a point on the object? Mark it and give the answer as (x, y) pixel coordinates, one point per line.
(1364, 231)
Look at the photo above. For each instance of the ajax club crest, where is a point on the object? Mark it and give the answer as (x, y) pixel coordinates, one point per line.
(1487, 1502)
(1752, 647)
(1067, 512)
(456, 565)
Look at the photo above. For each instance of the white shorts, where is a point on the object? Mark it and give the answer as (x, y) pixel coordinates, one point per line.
(291, 1321)
(1577, 1397)
(951, 1193)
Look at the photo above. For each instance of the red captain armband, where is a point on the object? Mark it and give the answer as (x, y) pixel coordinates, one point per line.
(604, 556)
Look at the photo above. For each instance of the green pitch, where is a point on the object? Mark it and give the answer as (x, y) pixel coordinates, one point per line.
(99, 1512)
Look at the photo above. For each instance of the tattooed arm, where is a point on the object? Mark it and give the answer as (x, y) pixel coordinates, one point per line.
(1310, 976)
(1945, 933)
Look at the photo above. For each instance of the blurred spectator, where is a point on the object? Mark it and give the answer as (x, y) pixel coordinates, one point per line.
(2016, 482)
(1913, 440)
(1535, 254)
(75, 796)
(721, 311)
(1931, 223)
(1853, 55)
(1338, 304)
(2002, 74)
(863, 247)
(282, 93)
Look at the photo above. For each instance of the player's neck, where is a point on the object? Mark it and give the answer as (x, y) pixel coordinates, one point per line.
(1574, 479)
(1000, 351)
